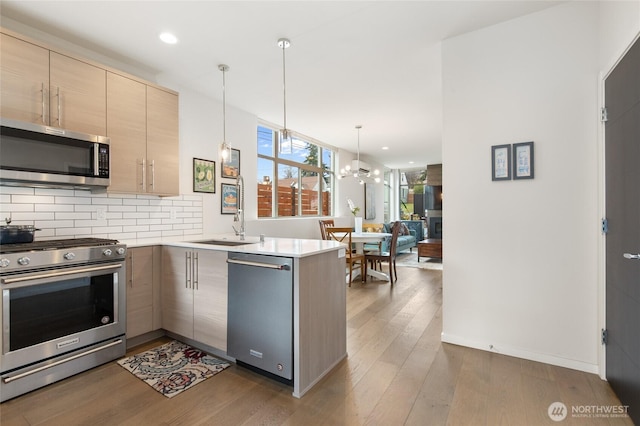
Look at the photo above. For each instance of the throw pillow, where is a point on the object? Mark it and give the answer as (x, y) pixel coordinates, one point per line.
(404, 230)
(372, 227)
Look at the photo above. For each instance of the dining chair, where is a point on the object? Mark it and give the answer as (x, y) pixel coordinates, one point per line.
(376, 257)
(323, 226)
(343, 235)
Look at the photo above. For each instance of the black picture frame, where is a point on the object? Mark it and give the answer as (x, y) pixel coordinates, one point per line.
(228, 198)
(501, 162)
(523, 160)
(204, 175)
(232, 168)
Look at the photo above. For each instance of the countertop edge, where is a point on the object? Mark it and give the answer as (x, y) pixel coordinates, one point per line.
(290, 247)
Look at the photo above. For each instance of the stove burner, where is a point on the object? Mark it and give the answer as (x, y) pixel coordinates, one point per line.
(55, 244)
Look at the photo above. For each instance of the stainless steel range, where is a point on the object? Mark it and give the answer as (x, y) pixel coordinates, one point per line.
(62, 311)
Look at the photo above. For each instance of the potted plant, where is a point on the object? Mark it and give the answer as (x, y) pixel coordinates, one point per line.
(357, 220)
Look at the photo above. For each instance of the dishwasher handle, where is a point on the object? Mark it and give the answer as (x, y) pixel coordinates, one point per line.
(282, 267)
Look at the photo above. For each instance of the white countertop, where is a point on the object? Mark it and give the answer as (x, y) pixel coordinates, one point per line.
(290, 247)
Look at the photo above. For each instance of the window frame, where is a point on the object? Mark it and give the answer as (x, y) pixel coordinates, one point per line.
(320, 172)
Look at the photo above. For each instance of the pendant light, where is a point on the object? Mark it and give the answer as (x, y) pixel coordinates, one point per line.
(225, 148)
(359, 169)
(285, 140)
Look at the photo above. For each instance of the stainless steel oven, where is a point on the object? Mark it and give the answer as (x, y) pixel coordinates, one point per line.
(62, 311)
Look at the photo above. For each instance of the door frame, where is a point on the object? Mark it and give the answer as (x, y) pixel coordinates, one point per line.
(602, 212)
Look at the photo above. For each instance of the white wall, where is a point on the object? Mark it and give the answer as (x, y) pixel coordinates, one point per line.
(200, 137)
(521, 259)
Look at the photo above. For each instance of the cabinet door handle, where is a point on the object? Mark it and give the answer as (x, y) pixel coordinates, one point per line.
(632, 256)
(131, 271)
(196, 266)
(144, 173)
(153, 174)
(44, 111)
(187, 269)
(59, 107)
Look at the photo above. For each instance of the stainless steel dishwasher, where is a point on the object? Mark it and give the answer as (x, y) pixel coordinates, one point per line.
(260, 314)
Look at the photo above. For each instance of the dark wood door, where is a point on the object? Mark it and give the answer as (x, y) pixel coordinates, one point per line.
(622, 151)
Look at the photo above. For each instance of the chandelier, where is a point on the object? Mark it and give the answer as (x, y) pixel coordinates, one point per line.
(225, 148)
(285, 141)
(359, 169)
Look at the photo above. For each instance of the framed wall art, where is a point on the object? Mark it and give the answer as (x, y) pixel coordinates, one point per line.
(232, 168)
(204, 175)
(228, 199)
(501, 162)
(523, 160)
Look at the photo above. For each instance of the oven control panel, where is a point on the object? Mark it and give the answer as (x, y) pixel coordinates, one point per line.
(31, 260)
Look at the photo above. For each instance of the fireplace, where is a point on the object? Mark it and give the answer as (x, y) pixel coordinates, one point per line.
(435, 227)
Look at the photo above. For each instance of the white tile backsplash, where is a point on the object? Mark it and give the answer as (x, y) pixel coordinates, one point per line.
(69, 213)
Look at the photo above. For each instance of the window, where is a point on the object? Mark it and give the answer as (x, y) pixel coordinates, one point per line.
(387, 196)
(296, 184)
(412, 184)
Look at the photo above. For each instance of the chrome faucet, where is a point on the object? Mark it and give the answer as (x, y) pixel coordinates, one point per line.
(239, 216)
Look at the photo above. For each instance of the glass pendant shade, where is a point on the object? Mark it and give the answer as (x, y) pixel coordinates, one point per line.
(285, 141)
(225, 152)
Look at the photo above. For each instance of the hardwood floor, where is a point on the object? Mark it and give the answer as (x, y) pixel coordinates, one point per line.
(398, 372)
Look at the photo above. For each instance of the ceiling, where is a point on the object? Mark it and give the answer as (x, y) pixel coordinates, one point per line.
(374, 63)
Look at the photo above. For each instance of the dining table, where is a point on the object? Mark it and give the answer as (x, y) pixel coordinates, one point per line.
(360, 239)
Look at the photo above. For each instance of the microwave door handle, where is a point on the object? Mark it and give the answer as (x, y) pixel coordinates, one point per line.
(96, 159)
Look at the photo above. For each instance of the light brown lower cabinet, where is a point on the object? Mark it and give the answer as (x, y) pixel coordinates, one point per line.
(194, 294)
(142, 291)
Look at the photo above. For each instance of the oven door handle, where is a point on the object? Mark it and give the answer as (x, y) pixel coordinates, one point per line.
(23, 278)
(62, 361)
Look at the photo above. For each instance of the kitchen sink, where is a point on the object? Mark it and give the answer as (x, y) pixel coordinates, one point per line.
(223, 242)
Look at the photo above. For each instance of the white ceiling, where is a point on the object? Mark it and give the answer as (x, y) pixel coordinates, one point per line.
(374, 63)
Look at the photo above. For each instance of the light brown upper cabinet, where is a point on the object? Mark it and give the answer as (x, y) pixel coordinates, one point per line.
(44, 87)
(162, 142)
(77, 95)
(127, 130)
(142, 123)
(24, 81)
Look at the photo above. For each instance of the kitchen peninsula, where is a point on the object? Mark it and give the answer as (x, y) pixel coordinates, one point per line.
(194, 287)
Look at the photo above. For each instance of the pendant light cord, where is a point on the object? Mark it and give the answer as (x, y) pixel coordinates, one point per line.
(224, 106)
(359, 127)
(284, 84)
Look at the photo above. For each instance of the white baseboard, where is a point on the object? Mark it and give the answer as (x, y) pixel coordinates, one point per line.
(519, 353)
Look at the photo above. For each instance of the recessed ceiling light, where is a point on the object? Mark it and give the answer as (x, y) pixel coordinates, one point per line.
(411, 162)
(384, 148)
(168, 38)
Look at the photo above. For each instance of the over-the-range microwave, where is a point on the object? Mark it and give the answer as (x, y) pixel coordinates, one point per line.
(37, 155)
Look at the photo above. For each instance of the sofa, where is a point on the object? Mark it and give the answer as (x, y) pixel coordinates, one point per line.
(405, 241)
